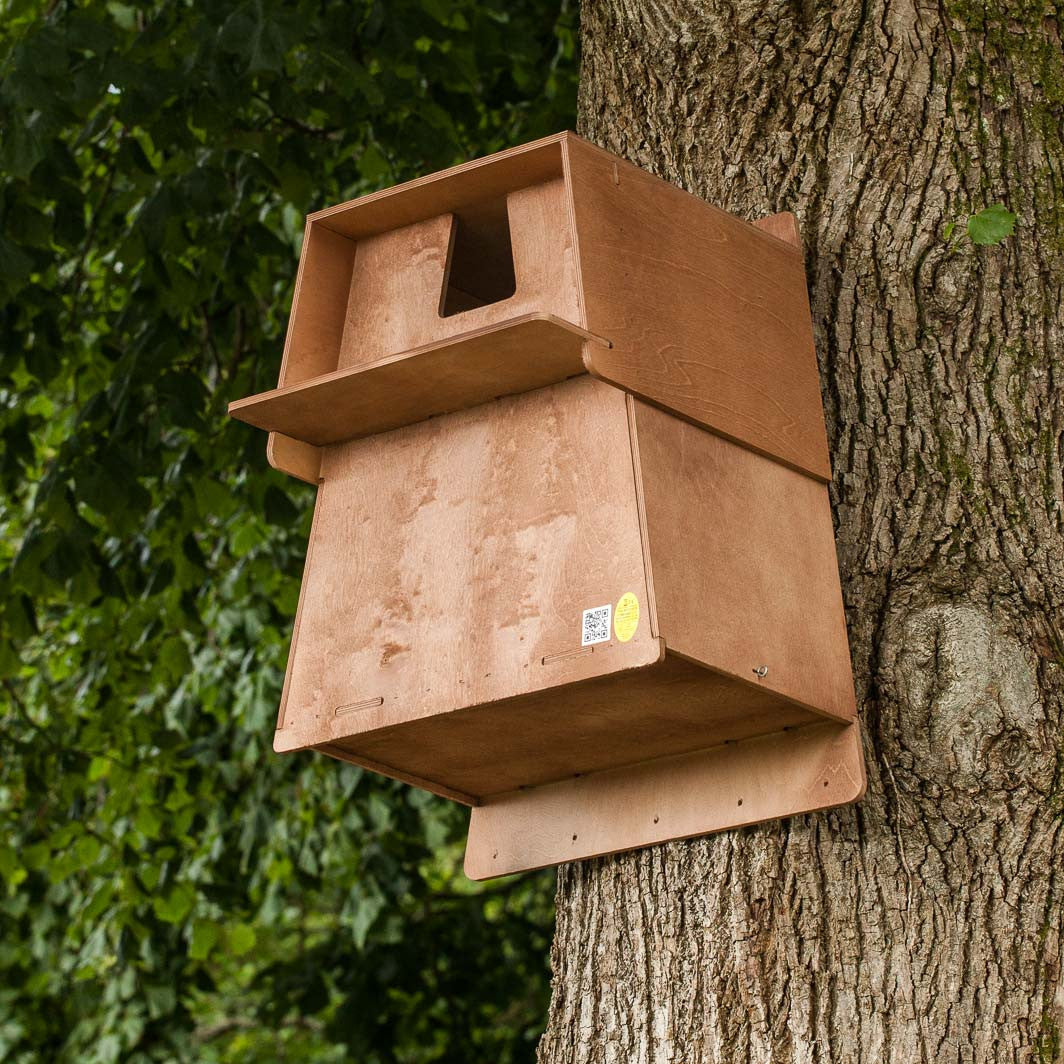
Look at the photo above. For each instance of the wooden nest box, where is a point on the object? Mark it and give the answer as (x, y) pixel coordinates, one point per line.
(572, 559)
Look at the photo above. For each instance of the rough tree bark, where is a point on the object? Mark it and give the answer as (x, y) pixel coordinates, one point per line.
(926, 924)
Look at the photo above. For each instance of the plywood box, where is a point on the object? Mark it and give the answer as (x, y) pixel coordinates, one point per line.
(572, 559)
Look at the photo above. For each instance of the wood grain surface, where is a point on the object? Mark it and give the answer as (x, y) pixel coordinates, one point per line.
(294, 457)
(446, 191)
(449, 558)
(504, 359)
(708, 316)
(744, 567)
(601, 722)
(798, 771)
(397, 279)
(316, 324)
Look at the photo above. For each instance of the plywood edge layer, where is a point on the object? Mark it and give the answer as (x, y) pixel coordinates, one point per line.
(784, 774)
(335, 750)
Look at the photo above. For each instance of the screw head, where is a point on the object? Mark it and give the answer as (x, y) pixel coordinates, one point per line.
(761, 671)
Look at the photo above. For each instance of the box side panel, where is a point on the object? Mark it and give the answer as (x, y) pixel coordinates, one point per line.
(315, 328)
(622, 719)
(316, 325)
(708, 317)
(449, 558)
(745, 572)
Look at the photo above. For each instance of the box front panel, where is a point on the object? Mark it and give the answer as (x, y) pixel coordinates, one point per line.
(451, 563)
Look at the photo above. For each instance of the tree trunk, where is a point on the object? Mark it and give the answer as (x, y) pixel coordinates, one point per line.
(926, 923)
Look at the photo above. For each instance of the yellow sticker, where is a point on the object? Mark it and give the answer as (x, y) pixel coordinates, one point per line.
(626, 617)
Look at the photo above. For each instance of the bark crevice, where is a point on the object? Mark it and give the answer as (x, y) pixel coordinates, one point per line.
(926, 924)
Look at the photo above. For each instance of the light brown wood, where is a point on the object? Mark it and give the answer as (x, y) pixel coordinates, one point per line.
(602, 722)
(446, 191)
(394, 297)
(297, 459)
(708, 317)
(487, 472)
(398, 279)
(337, 751)
(449, 558)
(409, 653)
(799, 771)
(783, 226)
(472, 368)
(316, 325)
(744, 567)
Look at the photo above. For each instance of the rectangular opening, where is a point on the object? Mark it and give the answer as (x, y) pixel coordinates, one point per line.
(480, 260)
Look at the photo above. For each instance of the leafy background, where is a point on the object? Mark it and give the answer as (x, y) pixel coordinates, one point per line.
(171, 889)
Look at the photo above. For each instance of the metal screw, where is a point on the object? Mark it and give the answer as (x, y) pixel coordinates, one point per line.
(761, 671)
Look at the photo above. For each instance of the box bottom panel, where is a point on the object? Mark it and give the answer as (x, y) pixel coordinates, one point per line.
(625, 718)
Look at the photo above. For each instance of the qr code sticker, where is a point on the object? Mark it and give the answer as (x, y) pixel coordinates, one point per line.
(596, 627)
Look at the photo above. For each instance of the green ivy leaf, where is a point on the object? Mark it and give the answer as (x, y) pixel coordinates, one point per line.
(991, 225)
(241, 939)
(204, 937)
(174, 906)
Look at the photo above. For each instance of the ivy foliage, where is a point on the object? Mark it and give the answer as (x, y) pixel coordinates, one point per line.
(171, 889)
(991, 225)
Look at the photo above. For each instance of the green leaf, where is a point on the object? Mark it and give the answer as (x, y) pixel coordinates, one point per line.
(174, 906)
(87, 850)
(279, 508)
(148, 821)
(991, 225)
(10, 868)
(99, 767)
(204, 937)
(240, 939)
(15, 264)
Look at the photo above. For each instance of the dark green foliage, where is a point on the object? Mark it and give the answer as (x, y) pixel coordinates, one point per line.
(171, 889)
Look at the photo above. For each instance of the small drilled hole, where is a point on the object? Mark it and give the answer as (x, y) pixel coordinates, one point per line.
(825, 783)
(740, 801)
(574, 838)
(494, 855)
(656, 819)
